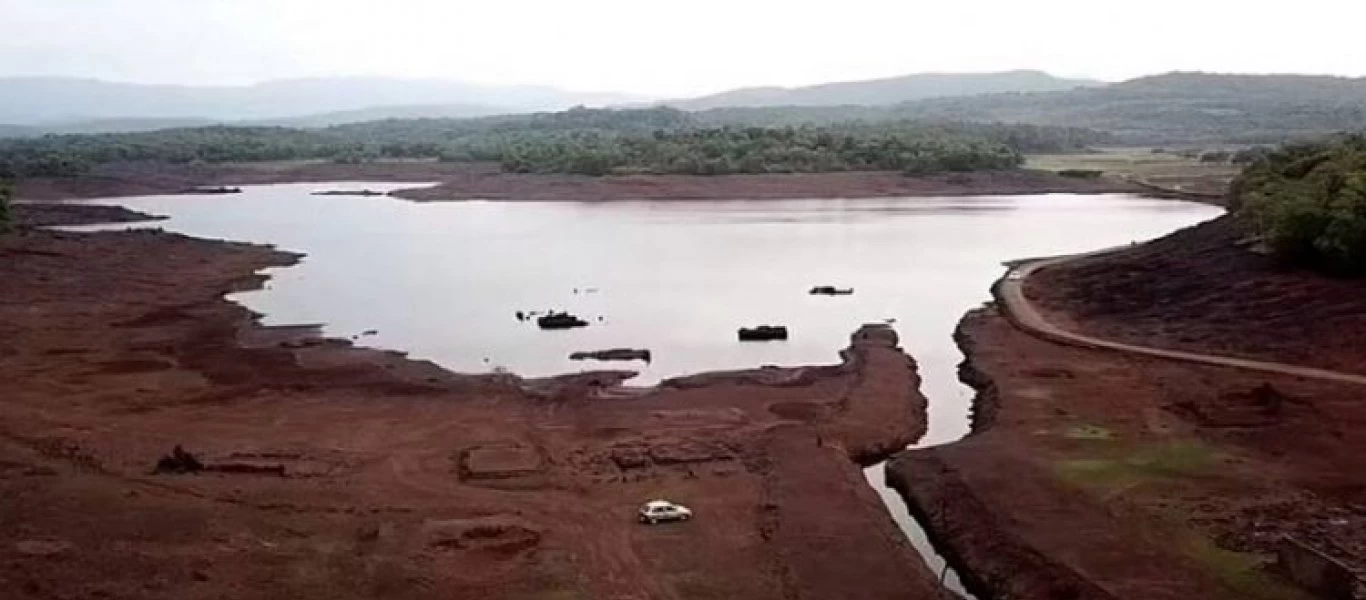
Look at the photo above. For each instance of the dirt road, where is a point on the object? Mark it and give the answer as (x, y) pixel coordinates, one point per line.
(1017, 307)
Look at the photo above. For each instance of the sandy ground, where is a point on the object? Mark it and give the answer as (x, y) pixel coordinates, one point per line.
(337, 472)
(462, 181)
(1105, 475)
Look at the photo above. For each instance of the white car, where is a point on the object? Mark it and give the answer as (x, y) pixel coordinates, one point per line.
(657, 511)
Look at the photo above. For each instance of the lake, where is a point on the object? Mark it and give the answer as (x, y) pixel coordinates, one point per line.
(443, 281)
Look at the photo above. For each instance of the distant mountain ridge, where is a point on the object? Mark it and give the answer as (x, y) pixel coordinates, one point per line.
(1178, 107)
(1171, 108)
(886, 91)
(49, 101)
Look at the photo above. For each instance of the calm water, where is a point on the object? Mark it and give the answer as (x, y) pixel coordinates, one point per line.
(443, 280)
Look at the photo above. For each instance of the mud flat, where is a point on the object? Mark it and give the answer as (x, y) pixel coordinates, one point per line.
(371, 475)
(463, 181)
(1102, 474)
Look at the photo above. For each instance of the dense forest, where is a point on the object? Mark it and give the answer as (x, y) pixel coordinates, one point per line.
(1308, 203)
(584, 141)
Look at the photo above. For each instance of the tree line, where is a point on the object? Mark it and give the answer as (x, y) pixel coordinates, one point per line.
(579, 140)
(1307, 202)
(6, 217)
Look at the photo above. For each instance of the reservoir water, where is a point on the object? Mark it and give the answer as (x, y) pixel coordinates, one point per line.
(443, 281)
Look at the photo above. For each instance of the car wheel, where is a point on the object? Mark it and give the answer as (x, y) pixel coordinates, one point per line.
(685, 517)
(652, 521)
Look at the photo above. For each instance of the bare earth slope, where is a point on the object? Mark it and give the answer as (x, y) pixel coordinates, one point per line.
(1201, 289)
(1109, 473)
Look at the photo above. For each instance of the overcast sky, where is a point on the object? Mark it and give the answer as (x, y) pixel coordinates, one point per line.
(669, 48)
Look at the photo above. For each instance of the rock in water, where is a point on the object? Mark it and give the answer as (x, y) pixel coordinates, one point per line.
(830, 290)
(560, 320)
(613, 354)
(763, 333)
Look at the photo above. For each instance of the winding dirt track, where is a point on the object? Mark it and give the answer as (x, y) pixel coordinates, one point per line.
(1009, 292)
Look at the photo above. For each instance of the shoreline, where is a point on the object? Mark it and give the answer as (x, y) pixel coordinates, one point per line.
(1051, 493)
(479, 181)
(163, 359)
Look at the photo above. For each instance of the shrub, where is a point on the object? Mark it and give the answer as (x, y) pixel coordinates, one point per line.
(1081, 173)
(1308, 203)
(6, 217)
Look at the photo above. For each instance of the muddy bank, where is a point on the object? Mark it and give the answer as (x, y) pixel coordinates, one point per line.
(1095, 474)
(512, 186)
(370, 475)
(463, 181)
(46, 214)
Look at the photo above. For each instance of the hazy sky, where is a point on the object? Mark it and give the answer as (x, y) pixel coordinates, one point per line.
(669, 48)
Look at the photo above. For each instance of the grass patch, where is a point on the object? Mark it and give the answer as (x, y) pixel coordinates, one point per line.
(1088, 432)
(1147, 463)
(1241, 572)
(1164, 169)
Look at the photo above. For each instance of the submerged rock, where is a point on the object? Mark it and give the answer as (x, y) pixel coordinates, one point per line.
(348, 193)
(830, 290)
(560, 320)
(613, 354)
(763, 333)
(211, 190)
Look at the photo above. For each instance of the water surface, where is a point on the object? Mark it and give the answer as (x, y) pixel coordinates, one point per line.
(442, 281)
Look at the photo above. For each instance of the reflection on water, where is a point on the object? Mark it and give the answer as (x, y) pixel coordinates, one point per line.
(443, 281)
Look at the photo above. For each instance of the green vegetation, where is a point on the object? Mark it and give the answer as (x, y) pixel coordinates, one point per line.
(584, 141)
(1131, 467)
(756, 150)
(1241, 572)
(1308, 203)
(6, 218)
(1170, 169)
(1081, 173)
(1088, 432)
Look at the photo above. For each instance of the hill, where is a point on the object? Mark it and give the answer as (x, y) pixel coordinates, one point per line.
(53, 103)
(891, 90)
(1176, 108)
(385, 113)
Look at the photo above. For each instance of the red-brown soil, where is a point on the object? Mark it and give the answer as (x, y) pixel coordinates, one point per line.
(1205, 289)
(462, 181)
(1099, 474)
(48, 214)
(339, 472)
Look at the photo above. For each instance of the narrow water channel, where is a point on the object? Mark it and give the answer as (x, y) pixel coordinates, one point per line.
(442, 281)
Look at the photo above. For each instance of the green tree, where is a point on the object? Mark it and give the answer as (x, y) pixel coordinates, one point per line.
(6, 217)
(1308, 203)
